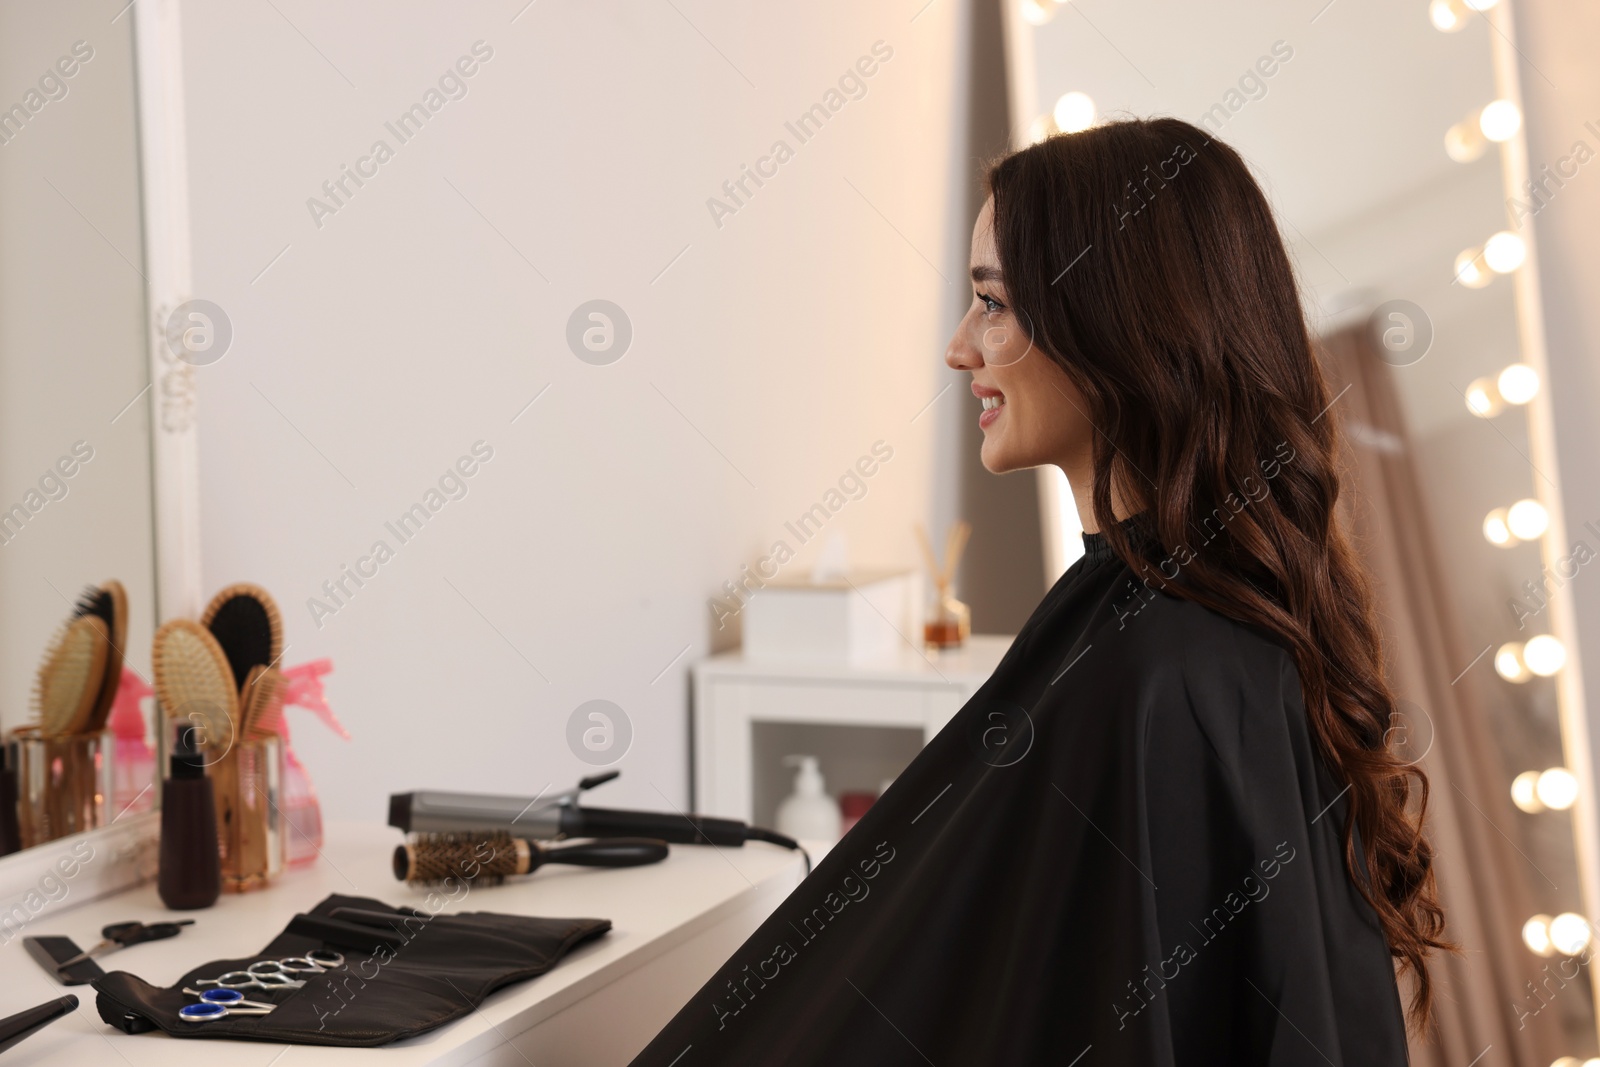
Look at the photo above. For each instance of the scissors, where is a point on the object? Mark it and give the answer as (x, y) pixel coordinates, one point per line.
(317, 961)
(121, 935)
(278, 974)
(228, 998)
(246, 980)
(207, 1012)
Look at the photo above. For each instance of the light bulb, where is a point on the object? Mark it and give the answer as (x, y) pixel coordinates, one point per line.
(1446, 15)
(1464, 141)
(1035, 13)
(1074, 112)
(1525, 792)
(1556, 789)
(1504, 252)
(1566, 1061)
(1544, 655)
(1495, 529)
(1569, 933)
(1483, 399)
(1518, 383)
(1527, 520)
(1500, 120)
(1508, 663)
(1480, 5)
(1536, 935)
(1471, 270)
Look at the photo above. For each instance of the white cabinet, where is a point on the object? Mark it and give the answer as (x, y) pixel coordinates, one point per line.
(863, 722)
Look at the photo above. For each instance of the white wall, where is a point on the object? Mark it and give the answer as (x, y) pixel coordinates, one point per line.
(768, 355)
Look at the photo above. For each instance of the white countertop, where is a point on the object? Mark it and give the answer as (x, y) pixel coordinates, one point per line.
(653, 909)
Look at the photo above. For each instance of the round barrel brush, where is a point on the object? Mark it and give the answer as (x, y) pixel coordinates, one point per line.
(488, 859)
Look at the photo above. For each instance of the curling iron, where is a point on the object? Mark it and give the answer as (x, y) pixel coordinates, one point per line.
(560, 815)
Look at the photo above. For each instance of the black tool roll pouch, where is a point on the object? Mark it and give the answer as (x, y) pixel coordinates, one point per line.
(431, 970)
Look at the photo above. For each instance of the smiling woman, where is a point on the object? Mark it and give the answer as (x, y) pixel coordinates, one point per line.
(1082, 840)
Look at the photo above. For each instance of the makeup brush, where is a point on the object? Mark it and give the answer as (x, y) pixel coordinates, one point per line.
(69, 678)
(245, 621)
(108, 603)
(488, 859)
(193, 679)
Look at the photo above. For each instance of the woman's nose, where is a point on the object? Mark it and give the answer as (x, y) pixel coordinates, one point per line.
(962, 354)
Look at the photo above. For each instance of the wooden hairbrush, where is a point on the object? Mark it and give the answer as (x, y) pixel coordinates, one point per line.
(192, 676)
(108, 603)
(488, 859)
(261, 704)
(68, 683)
(245, 621)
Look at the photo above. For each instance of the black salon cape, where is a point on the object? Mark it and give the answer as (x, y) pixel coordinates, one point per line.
(1123, 850)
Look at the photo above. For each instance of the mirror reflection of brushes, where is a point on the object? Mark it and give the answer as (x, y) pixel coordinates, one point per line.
(66, 690)
(488, 859)
(107, 602)
(245, 621)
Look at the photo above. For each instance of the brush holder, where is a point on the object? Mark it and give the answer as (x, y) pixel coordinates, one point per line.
(248, 780)
(63, 784)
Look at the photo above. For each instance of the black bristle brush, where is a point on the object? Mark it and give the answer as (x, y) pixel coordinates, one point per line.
(488, 859)
(109, 604)
(245, 621)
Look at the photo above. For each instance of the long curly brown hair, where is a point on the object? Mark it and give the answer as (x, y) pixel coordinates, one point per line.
(1144, 260)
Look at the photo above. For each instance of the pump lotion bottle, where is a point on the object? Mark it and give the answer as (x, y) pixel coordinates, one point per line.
(809, 813)
(190, 875)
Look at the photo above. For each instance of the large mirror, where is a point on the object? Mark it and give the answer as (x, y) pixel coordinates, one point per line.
(1388, 138)
(78, 542)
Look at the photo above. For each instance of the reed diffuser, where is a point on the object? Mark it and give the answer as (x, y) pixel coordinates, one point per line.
(948, 622)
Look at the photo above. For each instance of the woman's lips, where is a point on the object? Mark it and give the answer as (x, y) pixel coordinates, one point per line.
(993, 404)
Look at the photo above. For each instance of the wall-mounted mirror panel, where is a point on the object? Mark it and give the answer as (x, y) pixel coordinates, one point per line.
(1387, 136)
(77, 543)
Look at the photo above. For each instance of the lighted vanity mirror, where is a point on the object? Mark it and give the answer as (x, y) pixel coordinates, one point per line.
(1387, 136)
(82, 450)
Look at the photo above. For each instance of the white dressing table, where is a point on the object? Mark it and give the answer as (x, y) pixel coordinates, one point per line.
(674, 923)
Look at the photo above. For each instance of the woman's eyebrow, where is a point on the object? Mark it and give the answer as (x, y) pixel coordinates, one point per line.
(986, 274)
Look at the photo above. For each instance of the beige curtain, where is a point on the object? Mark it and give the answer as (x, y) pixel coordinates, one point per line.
(1483, 879)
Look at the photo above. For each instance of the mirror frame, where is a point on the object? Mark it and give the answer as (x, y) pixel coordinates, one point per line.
(123, 853)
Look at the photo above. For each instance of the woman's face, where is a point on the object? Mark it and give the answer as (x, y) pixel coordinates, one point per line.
(1030, 412)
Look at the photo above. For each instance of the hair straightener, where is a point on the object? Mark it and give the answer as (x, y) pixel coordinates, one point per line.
(561, 816)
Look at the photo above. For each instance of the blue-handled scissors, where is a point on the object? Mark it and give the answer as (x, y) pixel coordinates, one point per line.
(228, 998)
(208, 1012)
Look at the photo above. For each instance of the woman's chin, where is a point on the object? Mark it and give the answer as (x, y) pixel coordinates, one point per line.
(997, 459)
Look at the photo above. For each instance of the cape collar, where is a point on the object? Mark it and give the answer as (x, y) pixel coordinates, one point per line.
(1097, 550)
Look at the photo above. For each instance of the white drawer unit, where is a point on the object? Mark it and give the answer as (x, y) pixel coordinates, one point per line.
(863, 722)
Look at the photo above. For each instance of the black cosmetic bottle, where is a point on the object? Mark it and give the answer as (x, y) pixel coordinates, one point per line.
(191, 861)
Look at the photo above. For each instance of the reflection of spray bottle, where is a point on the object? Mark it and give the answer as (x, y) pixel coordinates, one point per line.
(809, 813)
(133, 765)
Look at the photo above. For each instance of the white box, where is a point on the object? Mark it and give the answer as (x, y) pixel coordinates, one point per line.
(865, 617)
